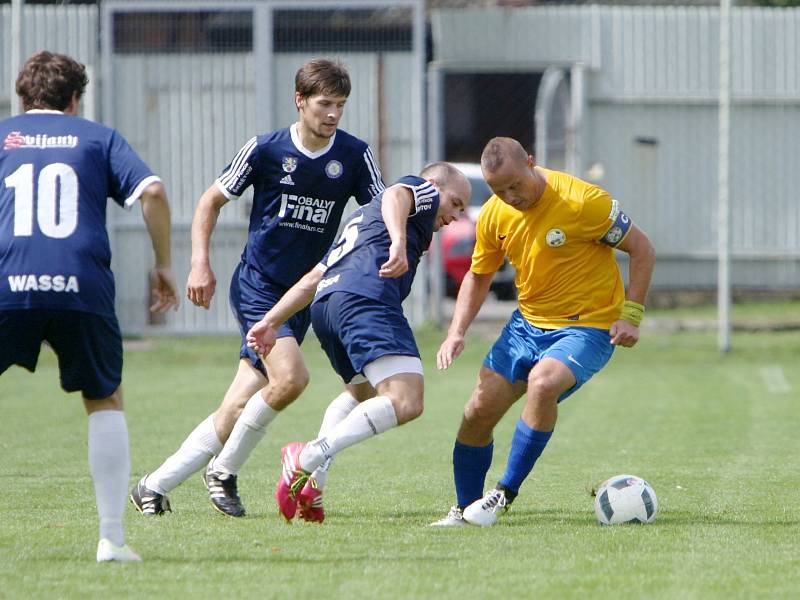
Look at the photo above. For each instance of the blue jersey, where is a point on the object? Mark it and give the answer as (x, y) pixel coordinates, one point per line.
(56, 174)
(352, 264)
(298, 199)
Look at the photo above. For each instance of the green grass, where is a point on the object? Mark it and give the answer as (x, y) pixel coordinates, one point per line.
(720, 449)
(747, 311)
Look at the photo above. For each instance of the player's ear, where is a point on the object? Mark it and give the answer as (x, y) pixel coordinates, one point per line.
(298, 100)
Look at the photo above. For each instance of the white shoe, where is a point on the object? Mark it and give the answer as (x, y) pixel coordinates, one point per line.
(483, 512)
(107, 551)
(453, 519)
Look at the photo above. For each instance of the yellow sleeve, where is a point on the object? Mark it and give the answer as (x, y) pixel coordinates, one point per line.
(597, 212)
(488, 255)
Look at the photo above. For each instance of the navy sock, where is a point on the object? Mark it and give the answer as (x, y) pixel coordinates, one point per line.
(470, 465)
(526, 447)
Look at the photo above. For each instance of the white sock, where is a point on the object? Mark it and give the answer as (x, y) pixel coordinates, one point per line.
(371, 417)
(194, 453)
(249, 429)
(110, 465)
(336, 412)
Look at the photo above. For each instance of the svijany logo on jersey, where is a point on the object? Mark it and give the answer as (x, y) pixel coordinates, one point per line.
(42, 141)
(43, 283)
(305, 208)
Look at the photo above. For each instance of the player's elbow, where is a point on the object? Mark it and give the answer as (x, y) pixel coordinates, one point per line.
(641, 248)
(155, 193)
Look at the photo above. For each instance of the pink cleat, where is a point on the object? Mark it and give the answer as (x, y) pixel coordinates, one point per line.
(292, 480)
(310, 502)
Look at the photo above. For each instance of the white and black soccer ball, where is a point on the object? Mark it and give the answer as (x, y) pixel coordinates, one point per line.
(625, 499)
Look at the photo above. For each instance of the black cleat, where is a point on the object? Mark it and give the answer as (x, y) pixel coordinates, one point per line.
(147, 501)
(222, 490)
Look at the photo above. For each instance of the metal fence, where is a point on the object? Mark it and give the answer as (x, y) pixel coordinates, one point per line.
(628, 97)
(189, 82)
(623, 96)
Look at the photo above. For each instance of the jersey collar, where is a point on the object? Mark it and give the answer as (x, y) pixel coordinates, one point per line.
(44, 111)
(299, 145)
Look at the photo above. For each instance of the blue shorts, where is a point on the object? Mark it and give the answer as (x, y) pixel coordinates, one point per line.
(88, 347)
(585, 350)
(249, 306)
(355, 331)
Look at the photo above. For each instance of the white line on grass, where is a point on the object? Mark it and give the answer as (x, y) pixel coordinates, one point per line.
(775, 380)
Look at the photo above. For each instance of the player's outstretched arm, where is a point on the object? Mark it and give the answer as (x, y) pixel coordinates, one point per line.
(262, 335)
(397, 203)
(202, 282)
(155, 210)
(625, 331)
(471, 296)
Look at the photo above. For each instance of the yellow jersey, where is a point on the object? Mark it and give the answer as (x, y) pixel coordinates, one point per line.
(563, 251)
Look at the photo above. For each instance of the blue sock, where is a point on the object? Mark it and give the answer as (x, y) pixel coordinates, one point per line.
(470, 465)
(526, 447)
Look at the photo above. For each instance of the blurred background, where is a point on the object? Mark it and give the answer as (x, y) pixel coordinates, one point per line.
(687, 113)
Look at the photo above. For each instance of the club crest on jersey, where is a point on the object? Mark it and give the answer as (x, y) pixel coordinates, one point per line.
(556, 238)
(289, 164)
(334, 169)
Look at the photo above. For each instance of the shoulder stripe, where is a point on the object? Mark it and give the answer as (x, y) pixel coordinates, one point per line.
(377, 182)
(424, 191)
(238, 163)
(423, 195)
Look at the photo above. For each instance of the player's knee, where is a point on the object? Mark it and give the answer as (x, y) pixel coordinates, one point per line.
(287, 386)
(543, 388)
(290, 389)
(478, 413)
(112, 402)
(408, 409)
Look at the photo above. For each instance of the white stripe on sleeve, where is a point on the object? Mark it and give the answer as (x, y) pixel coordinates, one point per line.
(139, 189)
(238, 164)
(375, 173)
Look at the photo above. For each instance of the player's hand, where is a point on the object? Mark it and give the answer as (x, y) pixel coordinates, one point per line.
(201, 285)
(164, 289)
(624, 334)
(397, 263)
(261, 338)
(449, 350)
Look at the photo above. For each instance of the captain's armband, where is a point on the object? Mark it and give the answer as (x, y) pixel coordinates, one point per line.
(620, 226)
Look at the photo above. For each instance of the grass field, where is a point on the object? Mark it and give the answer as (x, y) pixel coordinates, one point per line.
(717, 437)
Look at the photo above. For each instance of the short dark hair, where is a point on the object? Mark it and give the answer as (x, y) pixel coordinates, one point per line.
(500, 149)
(322, 76)
(441, 170)
(50, 81)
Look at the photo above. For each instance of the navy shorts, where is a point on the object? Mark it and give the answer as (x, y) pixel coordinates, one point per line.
(249, 306)
(355, 331)
(585, 350)
(88, 347)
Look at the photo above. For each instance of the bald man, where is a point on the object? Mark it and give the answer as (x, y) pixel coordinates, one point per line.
(560, 234)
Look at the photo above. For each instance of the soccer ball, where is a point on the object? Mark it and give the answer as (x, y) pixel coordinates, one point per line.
(625, 499)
